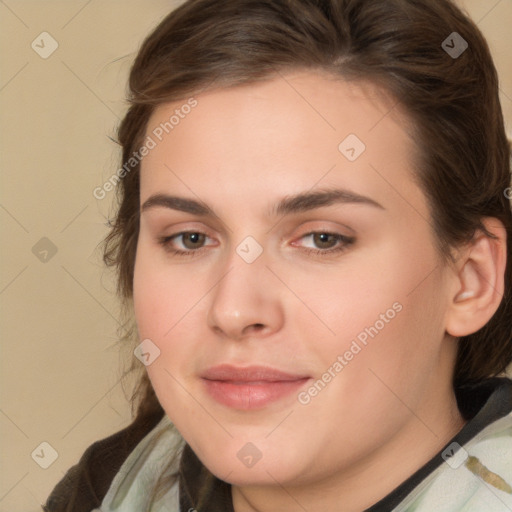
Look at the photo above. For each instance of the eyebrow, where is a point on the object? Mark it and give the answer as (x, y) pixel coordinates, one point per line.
(293, 204)
(181, 204)
(320, 198)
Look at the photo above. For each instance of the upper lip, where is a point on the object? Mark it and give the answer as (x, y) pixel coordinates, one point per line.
(227, 372)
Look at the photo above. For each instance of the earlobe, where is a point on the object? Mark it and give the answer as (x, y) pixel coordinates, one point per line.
(479, 280)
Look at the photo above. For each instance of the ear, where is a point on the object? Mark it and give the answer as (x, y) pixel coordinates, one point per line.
(479, 280)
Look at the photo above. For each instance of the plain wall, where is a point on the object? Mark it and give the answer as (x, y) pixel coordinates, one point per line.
(60, 373)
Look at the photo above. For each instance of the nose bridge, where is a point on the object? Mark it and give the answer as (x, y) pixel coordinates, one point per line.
(244, 301)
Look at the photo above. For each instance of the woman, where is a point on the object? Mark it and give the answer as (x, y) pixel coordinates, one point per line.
(314, 239)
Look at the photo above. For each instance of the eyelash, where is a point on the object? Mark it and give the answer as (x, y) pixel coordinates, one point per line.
(344, 243)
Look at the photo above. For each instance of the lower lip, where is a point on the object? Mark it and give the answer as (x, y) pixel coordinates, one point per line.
(251, 395)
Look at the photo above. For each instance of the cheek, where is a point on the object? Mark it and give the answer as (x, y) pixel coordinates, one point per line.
(378, 323)
(162, 307)
(158, 313)
(163, 295)
(348, 300)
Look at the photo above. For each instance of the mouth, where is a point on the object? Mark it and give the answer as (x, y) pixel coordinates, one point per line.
(252, 387)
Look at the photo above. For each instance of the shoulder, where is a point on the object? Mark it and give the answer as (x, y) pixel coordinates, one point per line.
(474, 470)
(85, 484)
(476, 476)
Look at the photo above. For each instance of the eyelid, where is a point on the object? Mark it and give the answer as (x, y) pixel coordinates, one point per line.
(312, 226)
(178, 228)
(343, 242)
(324, 232)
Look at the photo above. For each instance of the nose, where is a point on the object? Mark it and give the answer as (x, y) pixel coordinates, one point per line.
(246, 302)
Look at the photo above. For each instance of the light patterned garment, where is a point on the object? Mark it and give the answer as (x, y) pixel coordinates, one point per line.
(131, 488)
(474, 477)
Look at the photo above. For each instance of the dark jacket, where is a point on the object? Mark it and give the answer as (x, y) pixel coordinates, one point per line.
(83, 489)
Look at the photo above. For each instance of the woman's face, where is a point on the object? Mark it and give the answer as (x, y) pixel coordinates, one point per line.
(301, 321)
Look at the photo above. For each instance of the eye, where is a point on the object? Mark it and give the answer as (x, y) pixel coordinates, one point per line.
(324, 242)
(187, 242)
(191, 240)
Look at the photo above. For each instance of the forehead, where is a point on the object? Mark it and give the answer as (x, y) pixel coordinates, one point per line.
(279, 137)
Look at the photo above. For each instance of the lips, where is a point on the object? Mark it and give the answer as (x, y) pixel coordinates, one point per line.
(251, 387)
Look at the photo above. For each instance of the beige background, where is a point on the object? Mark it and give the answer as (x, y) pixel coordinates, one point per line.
(60, 368)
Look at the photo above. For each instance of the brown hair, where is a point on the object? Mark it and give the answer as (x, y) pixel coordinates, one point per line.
(464, 157)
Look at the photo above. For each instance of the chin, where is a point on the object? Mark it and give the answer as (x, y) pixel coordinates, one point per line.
(252, 463)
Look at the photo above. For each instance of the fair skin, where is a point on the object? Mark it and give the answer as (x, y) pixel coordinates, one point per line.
(241, 151)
